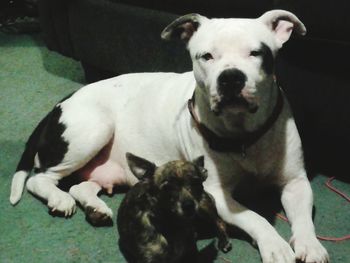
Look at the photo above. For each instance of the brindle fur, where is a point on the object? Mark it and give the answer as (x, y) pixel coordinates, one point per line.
(156, 218)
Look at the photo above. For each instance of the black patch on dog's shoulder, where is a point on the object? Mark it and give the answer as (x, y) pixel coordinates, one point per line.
(267, 59)
(52, 146)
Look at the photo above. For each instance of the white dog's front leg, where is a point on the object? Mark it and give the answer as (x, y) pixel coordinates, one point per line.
(96, 209)
(273, 248)
(297, 201)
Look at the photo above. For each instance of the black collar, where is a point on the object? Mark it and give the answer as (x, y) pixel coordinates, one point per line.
(238, 145)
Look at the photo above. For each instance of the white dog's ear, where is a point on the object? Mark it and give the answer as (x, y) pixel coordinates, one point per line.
(140, 167)
(183, 28)
(282, 23)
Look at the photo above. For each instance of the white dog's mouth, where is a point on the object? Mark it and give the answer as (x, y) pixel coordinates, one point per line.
(235, 104)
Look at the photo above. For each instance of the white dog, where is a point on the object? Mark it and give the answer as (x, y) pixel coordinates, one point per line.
(238, 118)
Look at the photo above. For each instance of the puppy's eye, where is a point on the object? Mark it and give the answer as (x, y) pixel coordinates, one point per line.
(204, 173)
(256, 53)
(207, 56)
(164, 184)
(167, 186)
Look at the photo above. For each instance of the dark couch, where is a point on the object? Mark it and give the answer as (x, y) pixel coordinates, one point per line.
(112, 37)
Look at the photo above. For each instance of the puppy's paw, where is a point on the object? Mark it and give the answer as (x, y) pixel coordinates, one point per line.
(225, 245)
(62, 202)
(274, 249)
(309, 250)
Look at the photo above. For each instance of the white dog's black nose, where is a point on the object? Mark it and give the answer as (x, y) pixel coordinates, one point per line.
(231, 82)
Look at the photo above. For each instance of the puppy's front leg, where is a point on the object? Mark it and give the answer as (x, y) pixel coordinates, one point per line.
(191, 255)
(273, 248)
(208, 212)
(297, 201)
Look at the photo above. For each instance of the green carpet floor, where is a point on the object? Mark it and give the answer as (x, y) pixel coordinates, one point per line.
(32, 80)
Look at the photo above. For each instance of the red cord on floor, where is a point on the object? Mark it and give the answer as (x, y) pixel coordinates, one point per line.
(347, 198)
(330, 186)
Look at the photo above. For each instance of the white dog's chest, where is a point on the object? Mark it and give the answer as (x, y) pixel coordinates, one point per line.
(262, 160)
(257, 163)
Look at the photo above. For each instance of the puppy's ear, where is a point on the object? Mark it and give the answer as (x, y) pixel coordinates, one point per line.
(140, 167)
(282, 23)
(199, 161)
(183, 28)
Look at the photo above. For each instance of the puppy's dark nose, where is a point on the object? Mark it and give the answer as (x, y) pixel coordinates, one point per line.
(188, 207)
(231, 82)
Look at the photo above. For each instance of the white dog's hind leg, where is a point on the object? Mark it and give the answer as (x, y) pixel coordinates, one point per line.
(273, 248)
(44, 185)
(297, 201)
(81, 138)
(96, 210)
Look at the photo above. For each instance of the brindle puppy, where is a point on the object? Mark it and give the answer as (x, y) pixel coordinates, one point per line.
(156, 218)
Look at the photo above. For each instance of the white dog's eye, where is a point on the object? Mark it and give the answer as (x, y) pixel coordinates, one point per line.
(207, 56)
(256, 53)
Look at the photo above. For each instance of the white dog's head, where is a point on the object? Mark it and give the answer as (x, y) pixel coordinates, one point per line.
(233, 59)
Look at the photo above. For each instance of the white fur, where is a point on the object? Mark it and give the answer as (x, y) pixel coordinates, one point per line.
(86, 194)
(44, 186)
(147, 114)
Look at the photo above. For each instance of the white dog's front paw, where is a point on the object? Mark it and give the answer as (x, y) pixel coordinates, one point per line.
(61, 202)
(309, 250)
(274, 249)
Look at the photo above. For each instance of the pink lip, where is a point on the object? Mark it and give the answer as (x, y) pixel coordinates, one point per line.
(239, 103)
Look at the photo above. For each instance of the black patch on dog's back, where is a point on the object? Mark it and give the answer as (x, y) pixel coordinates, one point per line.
(51, 145)
(46, 139)
(27, 160)
(67, 97)
(267, 59)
